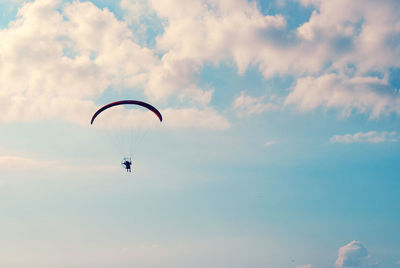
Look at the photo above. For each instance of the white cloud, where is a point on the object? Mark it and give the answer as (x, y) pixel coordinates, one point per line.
(61, 54)
(39, 79)
(246, 105)
(352, 254)
(194, 118)
(360, 34)
(176, 77)
(361, 94)
(203, 32)
(269, 143)
(213, 31)
(310, 2)
(136, 9)
(337, 35)
(55, 59)
(368, 137)
(304, 266)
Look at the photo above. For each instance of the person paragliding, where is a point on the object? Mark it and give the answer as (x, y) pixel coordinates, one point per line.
(126, 161)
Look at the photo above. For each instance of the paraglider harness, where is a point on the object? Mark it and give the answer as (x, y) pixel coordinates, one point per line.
(126, 163)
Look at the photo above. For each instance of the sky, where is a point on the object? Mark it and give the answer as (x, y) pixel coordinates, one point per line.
(279, 145)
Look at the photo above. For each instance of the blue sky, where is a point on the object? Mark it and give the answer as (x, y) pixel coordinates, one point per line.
(279, 146)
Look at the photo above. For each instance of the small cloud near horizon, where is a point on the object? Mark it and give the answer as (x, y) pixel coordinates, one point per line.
(366, 137)
(305, 266)
(352, 254)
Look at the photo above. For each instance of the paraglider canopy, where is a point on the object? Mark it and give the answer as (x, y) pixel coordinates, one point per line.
(123, 102)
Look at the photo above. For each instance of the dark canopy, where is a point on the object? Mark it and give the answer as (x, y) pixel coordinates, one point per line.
(123, 102)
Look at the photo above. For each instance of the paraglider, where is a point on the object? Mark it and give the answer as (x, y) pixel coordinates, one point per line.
(123, 102)
(126, 161)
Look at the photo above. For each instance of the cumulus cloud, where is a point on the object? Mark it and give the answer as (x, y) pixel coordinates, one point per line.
(55, 59)
(352, 254)
(360, 94)
(336, 33)
(360, 35)
(318, 53)
(367, 137)
(214, 31)
(48, 67)
(203, 32)
(57, 56)
(246, 105)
